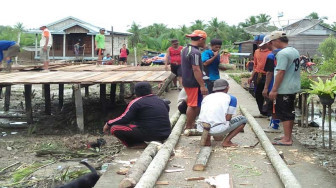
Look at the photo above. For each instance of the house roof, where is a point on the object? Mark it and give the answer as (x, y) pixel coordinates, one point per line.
(93, 30)
(300, 26)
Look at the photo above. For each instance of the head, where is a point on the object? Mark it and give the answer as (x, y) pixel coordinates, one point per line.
(124, 45)
(221, 85)
(174, 43)
(259, 39)
(102, 31)
(216, 44)
(279, 39)
(142, 89)
(266, 43)
(43, 27)
(198, 38)
(108, 55)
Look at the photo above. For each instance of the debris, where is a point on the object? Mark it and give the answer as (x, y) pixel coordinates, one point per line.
(281, 154)
(9, 148)
(194, 178)
(174, 170)
(268, 163)
(2, 170)
(122, 171)
(220, 181)
(104, 167)
(132, 161)
(14, 132)
(178, 166)
(162, 183)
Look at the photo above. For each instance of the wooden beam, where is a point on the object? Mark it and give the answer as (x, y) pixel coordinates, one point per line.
(103, 97)
(79, 107)
(86, 91)
(113, 93)
(330, 131)
(122, 92)
(47, 99)
(7, 97)
(202, 158)
(28, 103)
(60, 96)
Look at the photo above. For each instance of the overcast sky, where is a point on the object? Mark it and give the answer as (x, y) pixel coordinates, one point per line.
(173, 13)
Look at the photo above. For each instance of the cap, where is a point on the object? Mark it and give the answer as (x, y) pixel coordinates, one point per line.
(198, 33)
(220, 84)
(266, 40)
(259, 37)
(102, 29)
(277, 34)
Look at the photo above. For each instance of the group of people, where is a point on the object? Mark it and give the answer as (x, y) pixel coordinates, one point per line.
(146, 117)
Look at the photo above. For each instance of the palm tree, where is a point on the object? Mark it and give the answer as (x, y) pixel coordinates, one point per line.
(216, 29)
(262, 18)
(135, 38)
(198, 25)
(19, 28)
(314, 15)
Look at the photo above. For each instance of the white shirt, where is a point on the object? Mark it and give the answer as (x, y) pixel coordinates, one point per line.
(214, 109)
(182, 96)
(43, 40)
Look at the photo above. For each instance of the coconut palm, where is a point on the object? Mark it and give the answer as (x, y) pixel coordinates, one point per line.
(135, 38)
(262, 18)
(217, 29)
(198, 25)
(314, 15)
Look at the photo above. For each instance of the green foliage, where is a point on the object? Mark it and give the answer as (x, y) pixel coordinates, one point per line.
(323, 88)
(13, 33)
(305, 81)
(329, 66)
(328, 48)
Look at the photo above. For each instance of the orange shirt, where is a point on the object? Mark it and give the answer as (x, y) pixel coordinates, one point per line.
(260, 57)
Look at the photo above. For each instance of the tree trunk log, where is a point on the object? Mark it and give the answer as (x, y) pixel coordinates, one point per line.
(166, 84)
(202, 158)
(79, 107)
(206, 129)
(159, 162)
(174, 118)
(192, 132)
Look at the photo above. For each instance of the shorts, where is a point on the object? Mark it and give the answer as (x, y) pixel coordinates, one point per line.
(176, 69)
(12, 51)
(284, 107)
(268, 106)
(101, 51)
(194, 96)
(224, 129)
(44, 55)
(123, 59)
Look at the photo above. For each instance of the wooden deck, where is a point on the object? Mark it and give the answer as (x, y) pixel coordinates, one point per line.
(107, 68)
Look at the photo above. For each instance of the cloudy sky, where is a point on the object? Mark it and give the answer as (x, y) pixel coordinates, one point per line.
(173, 13)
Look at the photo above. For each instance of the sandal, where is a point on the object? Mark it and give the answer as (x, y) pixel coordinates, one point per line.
(278, 143)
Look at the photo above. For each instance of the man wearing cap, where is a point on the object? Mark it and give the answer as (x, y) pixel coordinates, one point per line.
(192, 75)
(259, 75)
(45, 44)
(100, 44)
(217, 110)
(286, 84)
(146, 118)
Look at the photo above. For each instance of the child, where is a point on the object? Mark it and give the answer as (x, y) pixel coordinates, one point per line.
(250, 64)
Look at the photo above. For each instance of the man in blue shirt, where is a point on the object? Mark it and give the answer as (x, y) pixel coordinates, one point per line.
(8, 49)
(211, 60)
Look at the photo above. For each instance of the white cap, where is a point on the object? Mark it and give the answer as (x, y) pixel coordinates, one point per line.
(266, 40)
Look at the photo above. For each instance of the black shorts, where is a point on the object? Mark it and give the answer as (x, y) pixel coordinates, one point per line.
(285, 107)
(176, 69)
(123, 59)
(101, 51)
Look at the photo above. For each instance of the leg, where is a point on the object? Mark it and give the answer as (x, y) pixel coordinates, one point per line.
(227, 141)
(179, 78)
(194, 100)
(288, 127)
(192, 113)
(236, 125)
(129, 135)
(259, 97)
(175, 82)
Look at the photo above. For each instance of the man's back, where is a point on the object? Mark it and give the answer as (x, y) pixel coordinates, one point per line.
(190, 56)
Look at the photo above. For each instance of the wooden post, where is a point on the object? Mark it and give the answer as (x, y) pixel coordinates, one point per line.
(330, 133)
(323, 119)
(312, 109)
(121, 92)
(300, 108)
(7, 97)
(306, 109)
(47, 99)
(86, 91)
(202, 158)
(132, 85)
(79, 107)
(113, 93)
(64, 46)
(103, 97)
(28, 103)
(112, 36)
(303, 109)
(205, 134)
(60, 96)
(92, 46)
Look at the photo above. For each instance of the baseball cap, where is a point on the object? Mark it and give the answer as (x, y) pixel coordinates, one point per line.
(220, 84)
(259, 37)
(198, 33)
(277, 34)
(102, 29)
(266, 40)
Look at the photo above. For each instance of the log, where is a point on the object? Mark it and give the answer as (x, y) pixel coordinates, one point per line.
(194, 178)
(202, 158)
(192, 132)
(166, 84)
(205, 134)
(174, 118)
(162, 183)
(159, 162)
(28, 103)
(7, 98)
(285, 174)
(79, 107)
(43, 152)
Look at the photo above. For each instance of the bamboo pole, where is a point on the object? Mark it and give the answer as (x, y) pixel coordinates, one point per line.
(286, 176)
(323, 119)
(330, 131)
(174, 118)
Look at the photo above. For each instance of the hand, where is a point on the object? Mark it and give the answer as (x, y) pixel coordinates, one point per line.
(264, 92)
(249, 80)
(216, 53)
(44, 48)
(272, 95)
(204, 90)
(106, 129)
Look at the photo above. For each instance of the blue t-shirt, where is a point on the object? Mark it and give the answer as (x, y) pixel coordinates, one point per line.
(270, 65)
(4, 45)
(211, 70)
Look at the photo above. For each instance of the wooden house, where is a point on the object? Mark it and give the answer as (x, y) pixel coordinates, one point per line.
(66, 32)
(305, 35)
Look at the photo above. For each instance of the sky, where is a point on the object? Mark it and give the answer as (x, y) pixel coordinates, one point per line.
(121, 13)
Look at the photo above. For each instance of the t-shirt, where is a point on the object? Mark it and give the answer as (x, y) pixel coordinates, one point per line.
(270, 65)
(100, 39)
(260, 60)
(190, 56)
(214, 109)
(288, 59)
(124, 52)
(4, 45)
(46, 33)
(212, 69)
(175, 55)
(181, 97)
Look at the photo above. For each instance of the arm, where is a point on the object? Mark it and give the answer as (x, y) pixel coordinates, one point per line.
(127, 116)
(166, 60)
(127, 51)
(207, 60)
(199, 77)
(278, 79)
(96, 39)
(269, 76)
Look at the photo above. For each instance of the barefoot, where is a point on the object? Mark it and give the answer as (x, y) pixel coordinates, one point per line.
(229, 144)
(207, 143)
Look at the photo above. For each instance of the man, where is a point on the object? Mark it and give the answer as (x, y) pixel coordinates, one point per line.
(217, 110)
(259, 75)
(286, 84)
(8, 49)
(123, 55)
(45, 44)
(100, 45)
(174, 55)
(107, 60)
(269, 69)
(211, 60)
(146, 118)
(192, 75)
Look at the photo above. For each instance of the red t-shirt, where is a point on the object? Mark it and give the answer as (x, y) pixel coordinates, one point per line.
(175, 55)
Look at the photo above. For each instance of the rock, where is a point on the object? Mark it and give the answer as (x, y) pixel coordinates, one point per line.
(122, 171)
(9, 148)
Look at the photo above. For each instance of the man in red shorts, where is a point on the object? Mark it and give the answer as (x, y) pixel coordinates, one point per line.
(192, 75)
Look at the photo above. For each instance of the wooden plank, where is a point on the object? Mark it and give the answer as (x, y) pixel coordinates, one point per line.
(79, 107)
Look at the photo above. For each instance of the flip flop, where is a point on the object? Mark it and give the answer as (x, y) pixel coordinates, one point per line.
(278, 138)
(278, 143)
